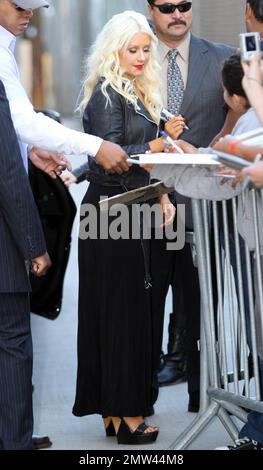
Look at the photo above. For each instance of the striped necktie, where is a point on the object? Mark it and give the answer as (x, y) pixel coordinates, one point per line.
(175, 84)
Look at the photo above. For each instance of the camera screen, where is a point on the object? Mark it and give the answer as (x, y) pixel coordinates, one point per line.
(250, 43)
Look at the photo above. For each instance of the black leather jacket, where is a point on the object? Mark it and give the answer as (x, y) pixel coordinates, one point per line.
(120, 123)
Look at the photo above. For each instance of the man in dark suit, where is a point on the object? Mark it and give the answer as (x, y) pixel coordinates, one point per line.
(197, 63)
(22, 246)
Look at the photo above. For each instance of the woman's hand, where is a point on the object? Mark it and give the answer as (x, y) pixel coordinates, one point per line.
(175, 127)
(168, 210)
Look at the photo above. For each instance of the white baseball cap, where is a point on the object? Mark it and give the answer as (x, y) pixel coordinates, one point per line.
(31, 4)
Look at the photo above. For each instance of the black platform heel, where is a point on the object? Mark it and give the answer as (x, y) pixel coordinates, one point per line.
(109, 427)
(138, 437)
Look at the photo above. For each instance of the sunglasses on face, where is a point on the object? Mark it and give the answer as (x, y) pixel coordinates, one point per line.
(168, 8)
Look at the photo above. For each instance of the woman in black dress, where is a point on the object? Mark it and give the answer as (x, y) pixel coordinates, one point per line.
(122, 103)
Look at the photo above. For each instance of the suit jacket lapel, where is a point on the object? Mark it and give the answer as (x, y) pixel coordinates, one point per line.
(198, 64)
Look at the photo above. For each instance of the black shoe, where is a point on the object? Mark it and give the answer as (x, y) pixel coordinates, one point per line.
(194, 402)
(245, 443)
(171, 373)
(137, 437)
(108, 425)
(41, 442)
(162, 361)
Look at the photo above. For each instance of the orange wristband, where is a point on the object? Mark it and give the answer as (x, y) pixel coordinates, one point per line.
(232, 147)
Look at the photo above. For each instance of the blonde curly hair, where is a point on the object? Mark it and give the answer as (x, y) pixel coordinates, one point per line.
(104, 62)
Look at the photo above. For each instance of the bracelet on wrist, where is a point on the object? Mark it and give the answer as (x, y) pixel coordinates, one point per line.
(232, 147)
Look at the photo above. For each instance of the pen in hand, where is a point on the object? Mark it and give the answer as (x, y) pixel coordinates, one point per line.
(171, 142)
(167, 116)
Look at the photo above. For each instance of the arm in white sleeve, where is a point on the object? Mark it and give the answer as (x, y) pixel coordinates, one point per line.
(36, 129)
(41, 131)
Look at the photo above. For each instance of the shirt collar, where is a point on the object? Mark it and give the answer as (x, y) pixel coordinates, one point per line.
(183, 49)
(7, 39)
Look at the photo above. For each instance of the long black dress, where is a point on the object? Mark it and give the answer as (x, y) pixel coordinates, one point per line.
(115, 331)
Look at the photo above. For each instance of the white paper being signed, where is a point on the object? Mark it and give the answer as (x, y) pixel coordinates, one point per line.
(177, 159)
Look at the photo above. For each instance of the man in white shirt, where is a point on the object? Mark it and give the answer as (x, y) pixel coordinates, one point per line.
(33, 128)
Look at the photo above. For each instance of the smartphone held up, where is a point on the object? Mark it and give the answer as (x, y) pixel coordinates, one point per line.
(249, 44)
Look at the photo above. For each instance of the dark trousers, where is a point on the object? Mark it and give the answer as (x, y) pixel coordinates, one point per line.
(16, 411)
(176, 268)
(191, 289)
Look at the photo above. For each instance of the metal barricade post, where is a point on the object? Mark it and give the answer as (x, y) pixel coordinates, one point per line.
(230, 275)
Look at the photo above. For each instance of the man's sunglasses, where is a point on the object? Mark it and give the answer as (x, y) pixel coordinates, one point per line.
(168, 8)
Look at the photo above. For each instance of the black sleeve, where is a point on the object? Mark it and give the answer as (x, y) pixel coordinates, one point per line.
(81, 173)
(107, 120)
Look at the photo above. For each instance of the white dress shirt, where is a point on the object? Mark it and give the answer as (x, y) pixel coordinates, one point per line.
(35, 128)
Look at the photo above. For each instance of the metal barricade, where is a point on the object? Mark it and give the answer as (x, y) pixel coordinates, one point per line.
(231, 316)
